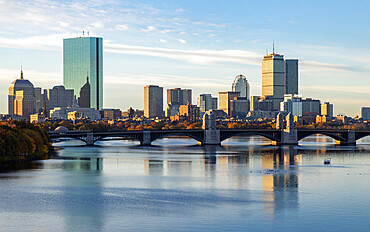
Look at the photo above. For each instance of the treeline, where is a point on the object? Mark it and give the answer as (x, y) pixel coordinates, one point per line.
(21, 140)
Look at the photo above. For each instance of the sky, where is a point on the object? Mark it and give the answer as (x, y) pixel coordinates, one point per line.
(197, 44)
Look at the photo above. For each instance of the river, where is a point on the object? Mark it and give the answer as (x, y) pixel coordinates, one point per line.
(244, 185)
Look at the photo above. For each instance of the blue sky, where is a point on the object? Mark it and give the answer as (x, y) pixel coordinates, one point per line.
(201, 45)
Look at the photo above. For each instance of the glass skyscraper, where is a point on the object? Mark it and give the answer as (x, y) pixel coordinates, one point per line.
(82, 57)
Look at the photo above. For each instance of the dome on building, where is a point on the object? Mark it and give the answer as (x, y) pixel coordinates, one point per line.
(61, 129)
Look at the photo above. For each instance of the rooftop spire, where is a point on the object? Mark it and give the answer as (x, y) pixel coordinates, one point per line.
(21, 71)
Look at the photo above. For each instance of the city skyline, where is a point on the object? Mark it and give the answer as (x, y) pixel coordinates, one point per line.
(174, 45)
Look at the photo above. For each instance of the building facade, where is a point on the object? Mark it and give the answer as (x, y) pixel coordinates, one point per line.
(292, 104)
(58, 96)
(224, 100)
(241, 85)
(181, 96)
(291, 76)
(273, 78)
(21, 98)
(83, 56)
(327, 109)
(239, 107)
(190, 112)
(205, 103)
(153, 101)
(365, 113)
(84, 100)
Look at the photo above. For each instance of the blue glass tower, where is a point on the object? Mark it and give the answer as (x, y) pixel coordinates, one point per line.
(83, 56)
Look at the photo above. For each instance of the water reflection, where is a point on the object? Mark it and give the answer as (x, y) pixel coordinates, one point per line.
(279, 180)
(109, 187)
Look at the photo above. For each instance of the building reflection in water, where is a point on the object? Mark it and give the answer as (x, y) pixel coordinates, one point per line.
(83, 197)
(280, 180)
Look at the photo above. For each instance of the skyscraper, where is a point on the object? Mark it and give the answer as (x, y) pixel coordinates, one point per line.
(273, 77)
(327, 109)
(21, 98)
(181, 96)
(84, 56)
(291, 76)
(204, 103)
(241, 85)
(153, 101)
(279, 77)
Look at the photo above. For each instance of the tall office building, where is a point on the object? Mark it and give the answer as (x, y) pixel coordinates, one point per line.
(21, 98)
(204, 103)
(273, 76)
(279, 77)
(291, 76)
(241, 85)
(153, 101)
(84, 56)
(181, 96)
(224, 100)
(58, 96)
(327, 109)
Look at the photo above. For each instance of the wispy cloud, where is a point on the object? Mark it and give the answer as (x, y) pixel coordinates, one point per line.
(191, 56)
(149, 28)
(122, 27)
(182, 41)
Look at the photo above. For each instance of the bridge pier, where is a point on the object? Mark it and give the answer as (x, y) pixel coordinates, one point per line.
(211, 137)
(146, 139)
(351, 139)
(90, 139)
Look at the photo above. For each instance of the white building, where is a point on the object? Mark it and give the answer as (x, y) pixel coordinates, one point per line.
(292, 103)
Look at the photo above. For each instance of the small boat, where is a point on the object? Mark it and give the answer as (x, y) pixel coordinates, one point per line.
(327, 161)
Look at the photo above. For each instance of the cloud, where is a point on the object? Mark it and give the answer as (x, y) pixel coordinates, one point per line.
(162, 40)
(321, 66)
(149, 28)
(166, 31)
(98, 25)
(122, 27)
(182, 41)
(338, 89)
(191, 56)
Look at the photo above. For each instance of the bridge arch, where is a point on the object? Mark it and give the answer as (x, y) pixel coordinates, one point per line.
(248, 134)
(334, 136)
(101, 137)
(362, 135)
(70, 137)
(197, 138)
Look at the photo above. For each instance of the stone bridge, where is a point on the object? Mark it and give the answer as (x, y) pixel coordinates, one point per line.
(215, 136)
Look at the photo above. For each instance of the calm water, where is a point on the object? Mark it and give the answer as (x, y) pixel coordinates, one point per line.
(244, 185)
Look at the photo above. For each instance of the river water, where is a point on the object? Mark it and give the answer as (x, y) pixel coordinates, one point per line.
(244, 185)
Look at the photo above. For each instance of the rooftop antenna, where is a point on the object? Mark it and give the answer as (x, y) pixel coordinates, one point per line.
(83, 33)
(88, 33)
(273, 47)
